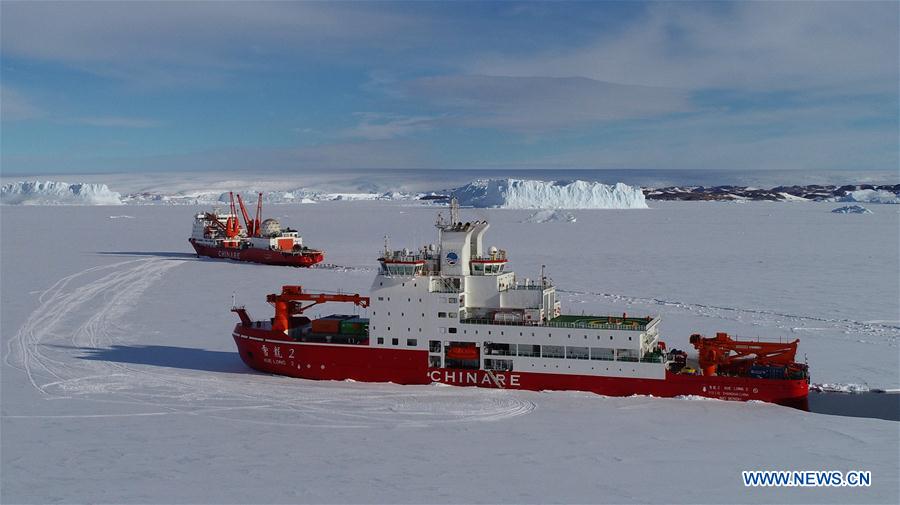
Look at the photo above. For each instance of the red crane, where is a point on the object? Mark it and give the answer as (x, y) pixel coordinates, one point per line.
(289, 303)
(232, 224)
(256, 222)
(722, 353)
(252, 226)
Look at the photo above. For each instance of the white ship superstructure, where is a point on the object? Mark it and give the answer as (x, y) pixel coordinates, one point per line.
(457, 300)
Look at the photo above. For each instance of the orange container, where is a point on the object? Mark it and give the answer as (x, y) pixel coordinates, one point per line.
(326, 325)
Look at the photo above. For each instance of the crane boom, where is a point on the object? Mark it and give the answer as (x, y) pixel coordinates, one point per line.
(256, 222)
(722, 353)
(289, 303)
(232, 225)
(251, 228)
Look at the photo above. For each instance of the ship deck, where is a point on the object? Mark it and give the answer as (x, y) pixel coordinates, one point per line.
(578, 321)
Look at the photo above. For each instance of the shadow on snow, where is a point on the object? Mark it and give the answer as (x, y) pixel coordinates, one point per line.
(153, 254)
(169, 356)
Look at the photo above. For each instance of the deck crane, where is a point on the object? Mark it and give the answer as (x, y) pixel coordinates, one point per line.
(254, 225)
(256, 222)
(251, 230)
(289, 303)
(232, 224)
(722, 354)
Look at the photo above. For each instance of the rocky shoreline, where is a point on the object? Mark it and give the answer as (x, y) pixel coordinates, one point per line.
(814, 192)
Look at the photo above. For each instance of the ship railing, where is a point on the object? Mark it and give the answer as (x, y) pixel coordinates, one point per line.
(526, 286)
(499, 256)
(551, 324)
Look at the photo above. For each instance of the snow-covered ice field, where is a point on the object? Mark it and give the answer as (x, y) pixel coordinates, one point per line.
(120, 382)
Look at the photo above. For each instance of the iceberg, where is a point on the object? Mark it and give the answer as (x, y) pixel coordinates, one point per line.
(57, 193)
(533, 194)
(871, 196)
(852, 209)
(551, 216)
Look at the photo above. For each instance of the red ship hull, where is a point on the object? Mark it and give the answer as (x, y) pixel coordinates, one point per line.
(257, 348)
(265, 256)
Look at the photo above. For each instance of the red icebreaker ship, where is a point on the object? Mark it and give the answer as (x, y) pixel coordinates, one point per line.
(219, 235)
(452, 313)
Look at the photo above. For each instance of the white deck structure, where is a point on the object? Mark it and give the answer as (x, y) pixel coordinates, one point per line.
(455, 294)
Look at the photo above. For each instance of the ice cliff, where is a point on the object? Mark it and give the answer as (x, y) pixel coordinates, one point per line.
(57, 193)
(530, 194)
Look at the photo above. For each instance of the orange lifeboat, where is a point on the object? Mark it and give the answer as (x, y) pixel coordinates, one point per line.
(462, 351)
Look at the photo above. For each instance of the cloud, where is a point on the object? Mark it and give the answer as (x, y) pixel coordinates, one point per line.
(380, 154)
(374, 126)
(16, 107)
(820, 136)
(538, 104)
(118, 122)
(178, 42)
(747, 45)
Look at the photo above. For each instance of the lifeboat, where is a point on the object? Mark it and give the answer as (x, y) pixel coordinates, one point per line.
(462, 352)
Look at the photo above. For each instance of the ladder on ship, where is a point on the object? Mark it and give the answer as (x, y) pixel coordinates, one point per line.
(493, 378)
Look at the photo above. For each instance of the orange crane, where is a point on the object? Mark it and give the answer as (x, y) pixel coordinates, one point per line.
(232, 224)
(723, 354)
(256, 222)
(252, 226)
(289, 303)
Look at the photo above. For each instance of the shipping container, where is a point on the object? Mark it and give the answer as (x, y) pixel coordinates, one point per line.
(329, 324)
(354, 326)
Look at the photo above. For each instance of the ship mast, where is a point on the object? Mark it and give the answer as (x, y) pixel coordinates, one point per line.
(454, 211)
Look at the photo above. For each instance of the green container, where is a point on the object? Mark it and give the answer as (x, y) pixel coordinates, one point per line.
(355, 326)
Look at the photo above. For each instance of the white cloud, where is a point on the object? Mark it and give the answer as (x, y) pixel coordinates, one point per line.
(751, 45)
(537, 104)
(118, 122)
(374, 126)
(397, 153)
(16, 107)
(178, 42)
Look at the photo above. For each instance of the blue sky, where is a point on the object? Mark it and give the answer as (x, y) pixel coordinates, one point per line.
(129, 86)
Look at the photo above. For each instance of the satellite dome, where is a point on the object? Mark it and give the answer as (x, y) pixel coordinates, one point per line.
(270, 228)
